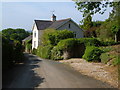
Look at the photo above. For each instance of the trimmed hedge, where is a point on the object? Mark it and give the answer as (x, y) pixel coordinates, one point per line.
(44, 51)
(108, 43)
(72, 47)
(90, 41)
(92, 53)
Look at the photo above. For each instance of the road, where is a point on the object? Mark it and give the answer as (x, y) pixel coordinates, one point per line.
(39, 73)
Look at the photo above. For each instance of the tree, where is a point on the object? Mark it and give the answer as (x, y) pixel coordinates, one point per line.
(93, 7)
(15, 34)
(87, 22)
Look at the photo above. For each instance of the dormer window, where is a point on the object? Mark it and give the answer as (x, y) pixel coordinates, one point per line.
(69, 25)
(35, 34)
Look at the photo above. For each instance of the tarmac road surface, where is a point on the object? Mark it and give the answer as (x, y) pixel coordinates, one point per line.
(40, 73)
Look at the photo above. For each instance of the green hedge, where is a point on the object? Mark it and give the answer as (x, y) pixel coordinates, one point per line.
(92, 53)
(58, 35)
(74, 47)
(44, 51)
(56, 53)
(108, 43)
(90, 41)
(11, 53)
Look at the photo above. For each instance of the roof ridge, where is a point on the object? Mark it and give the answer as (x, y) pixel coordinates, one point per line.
(43, 20)
(64, 19)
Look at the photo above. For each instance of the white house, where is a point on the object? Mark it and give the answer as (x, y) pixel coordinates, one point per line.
(40, 25)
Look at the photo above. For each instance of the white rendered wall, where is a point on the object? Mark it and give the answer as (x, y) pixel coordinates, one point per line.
(35, 38)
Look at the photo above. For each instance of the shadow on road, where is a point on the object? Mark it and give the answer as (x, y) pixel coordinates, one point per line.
(23, 75)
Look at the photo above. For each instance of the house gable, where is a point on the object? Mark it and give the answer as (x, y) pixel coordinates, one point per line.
(72, 26)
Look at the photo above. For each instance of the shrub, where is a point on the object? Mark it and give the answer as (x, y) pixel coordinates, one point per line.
(105, 57)
(108, 43)
(92, 53)
(90, 41)
(45, 38)
(56, 53)
(116, 60)
(44, 51)
(55, 37)
(28, 47)
(71, 47)
(34, 51)
(67, 44)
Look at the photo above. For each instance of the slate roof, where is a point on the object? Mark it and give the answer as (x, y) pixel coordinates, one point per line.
(43, 24)
(27, 38)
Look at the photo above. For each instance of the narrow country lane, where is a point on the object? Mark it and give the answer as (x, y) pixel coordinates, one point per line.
(38, 73)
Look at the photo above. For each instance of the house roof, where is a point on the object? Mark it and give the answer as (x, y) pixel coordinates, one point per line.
(43, 24)
(27, 38)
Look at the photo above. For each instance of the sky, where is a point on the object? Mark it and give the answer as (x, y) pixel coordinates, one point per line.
(23, 14)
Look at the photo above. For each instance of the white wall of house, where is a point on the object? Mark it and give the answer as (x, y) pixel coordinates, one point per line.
(72, 27)
(35, 37)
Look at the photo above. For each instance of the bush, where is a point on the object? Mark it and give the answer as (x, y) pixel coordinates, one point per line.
(28, 47)
(108, 43)
(92, 53)
(51, 36)
(34, 51)
(90, 41)
(105, 57)
(71, 47)
(11, 53)
(56, 53)
(44, 51)
(116, 61)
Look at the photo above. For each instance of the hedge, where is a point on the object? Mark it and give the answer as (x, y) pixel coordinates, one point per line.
(90, 41)
(92, 53)
(58, 35)
(73, 47)
(44, 51)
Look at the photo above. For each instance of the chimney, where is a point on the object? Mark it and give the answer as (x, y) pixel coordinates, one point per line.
(53, 18)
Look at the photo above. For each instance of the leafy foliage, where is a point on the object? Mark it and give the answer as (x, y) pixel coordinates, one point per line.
(74, 47)
(94, 7)
(11, 53)
(87, 23)
(90, 41)
(92, 53)
(51, 38)
(56, 53)
(34, 51)
(15, 34)
(28, 47)
(105, 57)
(54, 36)
(44, 51)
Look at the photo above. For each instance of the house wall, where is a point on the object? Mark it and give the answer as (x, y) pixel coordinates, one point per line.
(35, 39)
(73, 27)
(40, 32)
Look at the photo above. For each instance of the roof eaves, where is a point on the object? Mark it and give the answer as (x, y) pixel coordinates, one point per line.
(76, 24)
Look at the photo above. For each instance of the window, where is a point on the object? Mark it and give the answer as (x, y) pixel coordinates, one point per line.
(35, 34)
(69, 25)
(34, 43)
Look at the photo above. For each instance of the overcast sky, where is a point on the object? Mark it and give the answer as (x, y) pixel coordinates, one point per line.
(23, 14)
